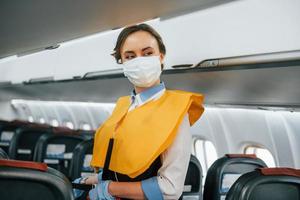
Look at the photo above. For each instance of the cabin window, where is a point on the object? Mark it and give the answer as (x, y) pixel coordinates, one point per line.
(206, 153)
(54, 123)
(42, 120)
(30, 119)
(85, 126)
(261, 153)
(69, 125)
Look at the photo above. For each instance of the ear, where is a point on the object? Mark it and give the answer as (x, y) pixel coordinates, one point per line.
(162, 57)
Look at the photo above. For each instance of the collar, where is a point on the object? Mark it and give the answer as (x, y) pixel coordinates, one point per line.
(147, 94)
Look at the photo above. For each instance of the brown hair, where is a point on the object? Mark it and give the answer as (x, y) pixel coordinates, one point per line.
(132, 29)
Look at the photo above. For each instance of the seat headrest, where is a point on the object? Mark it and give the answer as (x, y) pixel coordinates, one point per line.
(24, 164)
(88, 132)
(38, 125)
(19, 122)
(3, 121)
(253, 156)
(29, 124)
(65, 130)
(279, 172)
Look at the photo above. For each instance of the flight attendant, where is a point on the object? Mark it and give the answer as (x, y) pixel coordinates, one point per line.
(142, 150)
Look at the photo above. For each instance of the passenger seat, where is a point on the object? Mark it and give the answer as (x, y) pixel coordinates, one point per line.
(267, 183)
(57, 150)
(29, 180)
(24, 140)
(225, 171)
(82, 155)
(7, 131)
(3, 123)
(193, 180)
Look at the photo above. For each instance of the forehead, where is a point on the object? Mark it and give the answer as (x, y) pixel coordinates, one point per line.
(139, 40)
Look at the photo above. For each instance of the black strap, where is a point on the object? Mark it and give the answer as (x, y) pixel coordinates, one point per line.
(107, 160)
(84, 187)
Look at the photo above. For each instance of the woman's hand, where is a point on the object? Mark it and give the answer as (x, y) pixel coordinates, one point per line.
(94, 179)
(91, 180)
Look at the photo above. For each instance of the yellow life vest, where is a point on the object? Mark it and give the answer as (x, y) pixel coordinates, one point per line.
(142, 134)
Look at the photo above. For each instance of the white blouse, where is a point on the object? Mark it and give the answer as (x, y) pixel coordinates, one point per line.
(175, 159)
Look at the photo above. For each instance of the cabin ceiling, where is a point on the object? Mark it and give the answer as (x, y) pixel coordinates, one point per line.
(32, 25)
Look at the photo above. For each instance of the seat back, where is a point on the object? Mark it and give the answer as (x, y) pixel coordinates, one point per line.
(193, 180)
(225, 171)
(267, 183)
(3, 154)
(3, 123)
(57, 150)
(28, 180)
(24, 140)
(7, 131)
(82, 155)
(87, 134)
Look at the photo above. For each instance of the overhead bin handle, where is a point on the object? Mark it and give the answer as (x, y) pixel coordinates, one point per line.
(183, 66)
(273, 57)
(103, 72)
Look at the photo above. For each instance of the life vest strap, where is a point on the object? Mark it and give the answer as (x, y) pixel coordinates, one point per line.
(107, 159)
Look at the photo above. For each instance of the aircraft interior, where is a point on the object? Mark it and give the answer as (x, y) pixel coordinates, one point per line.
(59, 84)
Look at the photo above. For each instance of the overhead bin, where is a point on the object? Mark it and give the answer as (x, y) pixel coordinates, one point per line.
(271, 83)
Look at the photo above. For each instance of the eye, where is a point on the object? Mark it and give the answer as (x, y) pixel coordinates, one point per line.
(129, 56)
(149, 53)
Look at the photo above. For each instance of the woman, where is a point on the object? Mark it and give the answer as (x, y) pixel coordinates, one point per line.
(143, 149)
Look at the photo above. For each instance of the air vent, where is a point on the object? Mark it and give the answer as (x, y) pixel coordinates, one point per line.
(5, 83)
(40, 80)
(104, 72)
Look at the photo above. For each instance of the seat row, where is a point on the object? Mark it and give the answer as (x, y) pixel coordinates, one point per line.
(246, 177)
(65, 150)
(232, 177)
(33, 180)
(54, 146)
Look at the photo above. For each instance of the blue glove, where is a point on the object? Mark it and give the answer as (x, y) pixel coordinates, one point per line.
(101, 192)
(77, 193)
(100, 175)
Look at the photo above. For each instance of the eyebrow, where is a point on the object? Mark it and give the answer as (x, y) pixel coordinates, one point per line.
(129, 52)
(146, 48)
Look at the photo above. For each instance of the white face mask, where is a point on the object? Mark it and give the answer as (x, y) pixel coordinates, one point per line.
(143, 71)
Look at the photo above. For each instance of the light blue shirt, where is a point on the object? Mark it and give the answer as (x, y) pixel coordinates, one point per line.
(148, 94)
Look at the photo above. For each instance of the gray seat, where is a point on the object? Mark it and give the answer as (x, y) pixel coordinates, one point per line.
(7, 131)
(193, 180)
(225, 171)
(80, 153)
(57, 150)
(28, 180)
(24, 140)
(267, 183)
